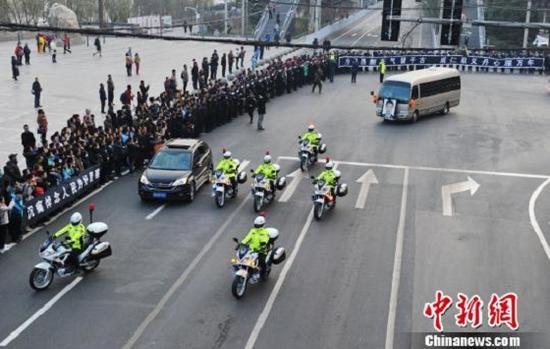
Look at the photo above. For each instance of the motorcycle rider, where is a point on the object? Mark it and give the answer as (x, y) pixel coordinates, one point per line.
(257, 240)
(74, 234)
(329, 177)
(229, 166)
(269, 170)
(313, 137)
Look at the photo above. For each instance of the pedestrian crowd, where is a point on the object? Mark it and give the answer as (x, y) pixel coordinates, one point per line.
(130, 135)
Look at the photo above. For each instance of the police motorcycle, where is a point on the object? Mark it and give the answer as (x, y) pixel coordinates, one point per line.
(308, 154)
(222, 189)
(262, 192)
(246, 265)
(323, 198)
(54, 253)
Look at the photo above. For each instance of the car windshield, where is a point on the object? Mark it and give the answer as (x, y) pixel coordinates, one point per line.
(395, 90)
(172, 160)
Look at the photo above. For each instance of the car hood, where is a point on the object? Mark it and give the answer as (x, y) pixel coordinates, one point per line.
(164, 176)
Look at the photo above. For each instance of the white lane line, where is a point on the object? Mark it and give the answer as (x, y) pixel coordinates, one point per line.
(397, 262)
(181, 279)
(277, 288)
(73, 207)
(434, 169)
(362, 22)
(244, 165)
(39, 313)
(362, 36)
(155, 212)
(533, 218)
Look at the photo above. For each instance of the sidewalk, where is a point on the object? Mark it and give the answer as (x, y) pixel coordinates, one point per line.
(72, 85)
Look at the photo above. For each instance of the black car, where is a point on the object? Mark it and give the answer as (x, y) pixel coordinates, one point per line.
(177, 171)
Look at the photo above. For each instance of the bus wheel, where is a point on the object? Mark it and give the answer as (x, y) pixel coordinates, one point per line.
(445, 109)
(415, 116)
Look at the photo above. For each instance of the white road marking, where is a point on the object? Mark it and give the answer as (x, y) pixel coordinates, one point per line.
(291, 187)
(368, 31)
(533, 218)
(155, 212)
(448, 190)
(434, 169)
(366, 180)
(354, 35)
(397, 261)
(244, 165)
(181, 279)
(277, 288)
(14, 334)
(366, 19)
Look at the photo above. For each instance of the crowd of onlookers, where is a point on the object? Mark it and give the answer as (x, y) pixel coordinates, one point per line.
(191, 103)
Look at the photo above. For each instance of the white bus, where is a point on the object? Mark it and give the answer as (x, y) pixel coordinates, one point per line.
(410, 95)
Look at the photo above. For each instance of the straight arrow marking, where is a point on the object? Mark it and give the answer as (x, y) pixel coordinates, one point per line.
(291, 187)
(448, 190)
(366, 180)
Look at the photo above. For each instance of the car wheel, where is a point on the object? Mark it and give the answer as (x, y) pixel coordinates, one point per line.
(415, 116)
(192, 191)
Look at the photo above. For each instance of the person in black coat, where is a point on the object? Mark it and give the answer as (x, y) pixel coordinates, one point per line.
(27, 138)
(27, 54)
(260, 101)
(223, 64)
(102, 97)
(250, 106)
(36, 91)
(205, 67)
(214, 65)
(14, 68)
(195, 74)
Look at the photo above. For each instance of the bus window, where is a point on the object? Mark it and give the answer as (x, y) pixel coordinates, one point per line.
(414, 92)
(395, 90)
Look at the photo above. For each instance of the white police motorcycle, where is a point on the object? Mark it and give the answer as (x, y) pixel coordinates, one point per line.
(55, 253)
(246, 265)
(222, 188)
(308, 156)
(262, 191)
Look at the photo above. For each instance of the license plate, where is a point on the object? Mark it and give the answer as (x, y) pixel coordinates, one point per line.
(260, 193)
(159, 195)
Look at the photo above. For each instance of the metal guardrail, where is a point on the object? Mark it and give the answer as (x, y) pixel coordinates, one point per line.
(261, 25)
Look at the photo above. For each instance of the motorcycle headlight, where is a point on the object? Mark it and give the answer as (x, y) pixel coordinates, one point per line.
(180, 181)
(144, 180)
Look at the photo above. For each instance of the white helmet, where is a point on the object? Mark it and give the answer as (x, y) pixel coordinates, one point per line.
(267, 159)
(259, 222)
(329, 165)
(311, 128)
(76, 218)
(227, 154)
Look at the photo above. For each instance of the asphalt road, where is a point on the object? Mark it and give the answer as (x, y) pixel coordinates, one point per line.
(336, 291)
(366, 32)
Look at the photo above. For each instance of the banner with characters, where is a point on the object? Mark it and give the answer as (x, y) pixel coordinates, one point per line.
(346, 61)
(42, 206)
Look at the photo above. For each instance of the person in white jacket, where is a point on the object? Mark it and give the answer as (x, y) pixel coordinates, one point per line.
(4, 222)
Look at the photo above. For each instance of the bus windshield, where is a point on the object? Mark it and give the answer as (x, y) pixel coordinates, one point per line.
(396, 90)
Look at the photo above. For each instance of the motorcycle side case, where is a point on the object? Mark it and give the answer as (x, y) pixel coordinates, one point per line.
(281, 183)
(273, 233)
(242, 177)
(97, 229)
(322, 148)
(342, 190)
(279, 255)
(101, 250)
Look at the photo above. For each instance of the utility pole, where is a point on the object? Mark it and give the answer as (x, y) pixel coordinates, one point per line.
(101, 13)
(225, 17)
(318, 12)
(244, 5)
(527, 20)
